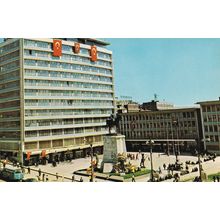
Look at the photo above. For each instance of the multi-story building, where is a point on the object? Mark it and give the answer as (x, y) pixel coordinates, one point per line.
(169, 128)
(55, 96)
(210, 111)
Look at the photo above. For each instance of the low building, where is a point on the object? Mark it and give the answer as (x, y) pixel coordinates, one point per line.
(210, 111)
(171, 129)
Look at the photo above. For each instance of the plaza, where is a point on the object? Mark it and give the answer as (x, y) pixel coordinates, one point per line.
(66, 169)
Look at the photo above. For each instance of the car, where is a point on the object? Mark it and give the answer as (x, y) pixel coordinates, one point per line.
(30, 180)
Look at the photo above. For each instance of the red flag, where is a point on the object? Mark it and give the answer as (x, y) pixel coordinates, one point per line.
(76, 48)
(28, 155)
(57, 48)
(43, 153)
(93, 53)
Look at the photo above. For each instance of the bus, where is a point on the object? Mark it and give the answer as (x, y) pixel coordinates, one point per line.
(11, 173)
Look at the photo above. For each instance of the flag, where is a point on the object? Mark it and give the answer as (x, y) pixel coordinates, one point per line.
(57, 48)
(28, 155)
(76, 48)
(93, 53)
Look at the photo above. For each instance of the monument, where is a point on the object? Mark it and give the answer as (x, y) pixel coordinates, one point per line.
(114, 144)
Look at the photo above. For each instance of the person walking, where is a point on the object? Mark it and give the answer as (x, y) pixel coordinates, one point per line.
(159, 170)
(73, 178)
(29, 170)
(133, 178)
(164, 166)
(39, 172)
(47, 178)
(43, 177)
(214, 178)
(81, 179)
(217, 178)
(57, 177)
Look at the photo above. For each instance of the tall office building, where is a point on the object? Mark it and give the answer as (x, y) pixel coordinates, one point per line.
(211, 124)
(55, 96)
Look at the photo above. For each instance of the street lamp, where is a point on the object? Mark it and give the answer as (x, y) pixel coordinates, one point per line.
(175, 124)
(151, 142)
(198, 142)
(92, 170)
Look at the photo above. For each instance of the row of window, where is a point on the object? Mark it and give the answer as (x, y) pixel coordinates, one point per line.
(14, 84)
(9, 76)
(159, 116)
(57, 112)
(9, 56)
(211, 118)
(52, 122)
(72, 103)
(161, 125)
(73, 94)
(160, 135)
(67, 66)
(65, 57)
(212, 128)
(9, 47)
(66, 48)
(44, 73)
(211, 108)
(54, 132)
(66, 84)
(9, 66)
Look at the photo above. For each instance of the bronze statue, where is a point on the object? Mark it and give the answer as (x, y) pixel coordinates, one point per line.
(113, 121)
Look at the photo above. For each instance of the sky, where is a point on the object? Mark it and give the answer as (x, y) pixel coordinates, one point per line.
(179, 71)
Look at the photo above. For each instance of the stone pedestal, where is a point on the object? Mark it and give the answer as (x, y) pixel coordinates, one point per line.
(113, 145)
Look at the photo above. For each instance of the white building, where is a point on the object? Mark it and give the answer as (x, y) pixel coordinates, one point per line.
(51, 104)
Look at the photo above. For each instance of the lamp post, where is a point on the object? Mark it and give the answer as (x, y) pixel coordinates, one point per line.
(175, 124)
(198, 142)
(151, 142)
(92, 170)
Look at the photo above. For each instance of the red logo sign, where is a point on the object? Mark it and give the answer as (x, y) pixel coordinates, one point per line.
(43, 153)
(93, 53)
(76, 47)
(57, 48)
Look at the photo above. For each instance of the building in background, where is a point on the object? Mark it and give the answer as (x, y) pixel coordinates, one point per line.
(125, 104)
(156, 105)
(170, 128)
(210, 111)
(55, 96)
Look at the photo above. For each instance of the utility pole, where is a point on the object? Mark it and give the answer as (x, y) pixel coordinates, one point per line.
(151, 142)
(92, 169)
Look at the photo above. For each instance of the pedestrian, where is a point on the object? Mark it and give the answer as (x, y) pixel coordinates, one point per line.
(133, 178)
(73, 178)
(29, 170)
(39, 172)
(57, 177)
(159, 170)
(81, 179)
(164, 166)
(214, 178)
(38, 177)
(47, 178)
(136, 156)
(43, 177)
(217, 178)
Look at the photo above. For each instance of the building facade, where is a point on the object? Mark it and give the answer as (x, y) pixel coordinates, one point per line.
(54, 97)
(170, 129)
(210, 111)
